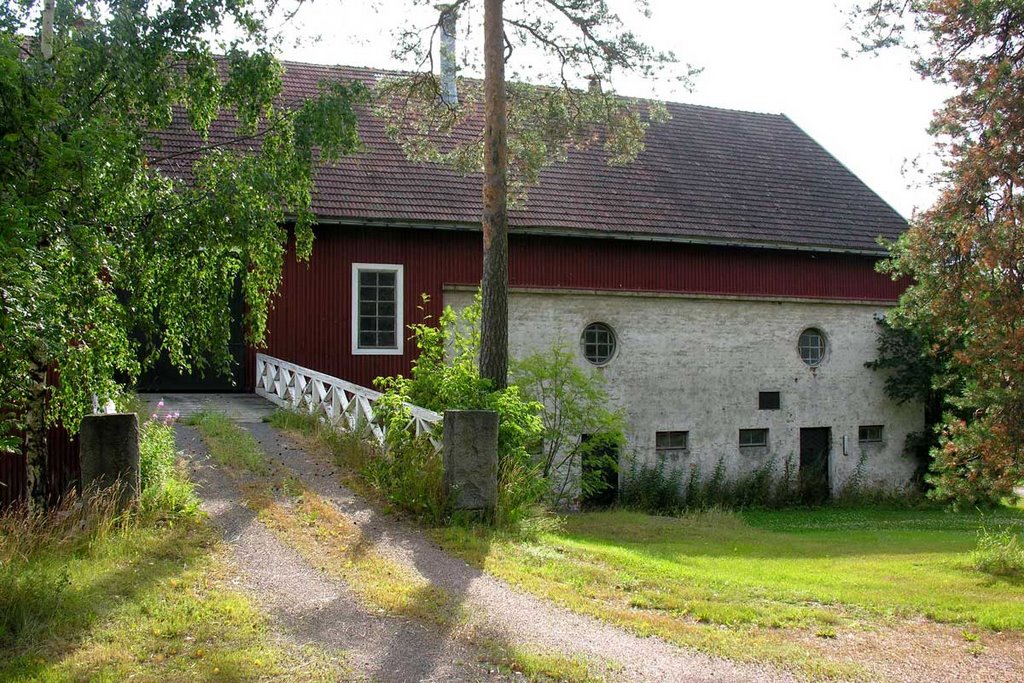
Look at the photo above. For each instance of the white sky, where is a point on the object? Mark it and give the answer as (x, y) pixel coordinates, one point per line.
(782, 56)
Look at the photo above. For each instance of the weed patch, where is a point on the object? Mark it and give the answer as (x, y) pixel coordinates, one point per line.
(1000, 552)
(229, 445)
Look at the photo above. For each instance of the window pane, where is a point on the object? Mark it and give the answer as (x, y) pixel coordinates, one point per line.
(753, 437)
(598, 343)
(870, 433)
(811, 346)
(768, 400)
(377, 306)
(670, 441)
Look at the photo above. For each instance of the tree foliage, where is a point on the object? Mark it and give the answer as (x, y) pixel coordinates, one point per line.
(966, 253)
(106, 237)
(550, 108)
(445, 376)
(526, 122)
(576, 406)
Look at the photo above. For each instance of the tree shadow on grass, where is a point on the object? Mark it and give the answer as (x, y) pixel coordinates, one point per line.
(67, 623)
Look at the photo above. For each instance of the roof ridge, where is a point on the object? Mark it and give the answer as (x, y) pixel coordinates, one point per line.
(372, 70)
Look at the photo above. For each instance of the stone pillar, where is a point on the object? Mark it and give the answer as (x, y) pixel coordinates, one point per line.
(471, 459)
(109, 451)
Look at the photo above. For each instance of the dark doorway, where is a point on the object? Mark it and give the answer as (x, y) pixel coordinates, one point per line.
(164, 377)
(600, 470)
(814, 451)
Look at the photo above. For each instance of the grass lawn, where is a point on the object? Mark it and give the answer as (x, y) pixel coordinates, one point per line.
(737, 584)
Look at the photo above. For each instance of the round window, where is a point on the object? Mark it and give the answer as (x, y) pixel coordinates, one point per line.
(812, 347)
(598, 343)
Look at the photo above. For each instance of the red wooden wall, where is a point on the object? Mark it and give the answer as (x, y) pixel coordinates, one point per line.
(63, 468)
(309, 324)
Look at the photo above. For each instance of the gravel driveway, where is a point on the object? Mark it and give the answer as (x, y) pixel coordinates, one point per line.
(316, 608)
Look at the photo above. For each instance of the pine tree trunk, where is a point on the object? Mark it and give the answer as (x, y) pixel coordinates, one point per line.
(36, 451)
(494, 285)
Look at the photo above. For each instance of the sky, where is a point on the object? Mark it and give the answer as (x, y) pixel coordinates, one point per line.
(782, 56)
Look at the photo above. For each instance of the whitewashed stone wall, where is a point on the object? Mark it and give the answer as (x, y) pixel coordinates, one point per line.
(697, 365)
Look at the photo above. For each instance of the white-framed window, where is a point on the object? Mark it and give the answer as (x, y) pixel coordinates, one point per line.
(753, 438)
(669, 443)
(377, 305)
(812, 346)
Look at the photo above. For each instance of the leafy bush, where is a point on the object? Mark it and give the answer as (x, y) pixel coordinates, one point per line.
(409, 475)
(1000, 553)
(575, 403)
(445, 377)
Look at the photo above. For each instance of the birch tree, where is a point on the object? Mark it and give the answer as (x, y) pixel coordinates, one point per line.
(98, 241)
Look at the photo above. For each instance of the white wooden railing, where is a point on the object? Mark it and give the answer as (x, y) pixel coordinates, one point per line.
(341, 404)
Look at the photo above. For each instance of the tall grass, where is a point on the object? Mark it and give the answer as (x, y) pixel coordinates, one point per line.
(1000, 552)
(660, 489)
(230, 445)
(34, 580)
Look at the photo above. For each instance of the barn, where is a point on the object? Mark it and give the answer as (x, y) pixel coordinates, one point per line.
(724, 284)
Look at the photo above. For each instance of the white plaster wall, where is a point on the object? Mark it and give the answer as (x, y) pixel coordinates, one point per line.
(697, 364)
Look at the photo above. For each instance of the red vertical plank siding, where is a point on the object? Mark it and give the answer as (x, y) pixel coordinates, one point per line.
(309, 323)
(64, 470)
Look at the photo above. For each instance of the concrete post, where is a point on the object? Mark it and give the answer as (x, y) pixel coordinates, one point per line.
(109, 451)
(470, 458)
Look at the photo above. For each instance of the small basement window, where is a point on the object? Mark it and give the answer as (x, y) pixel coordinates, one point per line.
(753, 438)
(869, 433)
(768, 400)
(812, 347)
(598, 343)
(377, 303)
(669, 442)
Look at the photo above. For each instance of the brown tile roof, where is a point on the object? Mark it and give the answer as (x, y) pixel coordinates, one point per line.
(708, 175)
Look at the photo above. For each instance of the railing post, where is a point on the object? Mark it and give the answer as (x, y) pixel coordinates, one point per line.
(470, 459)
(109, 451)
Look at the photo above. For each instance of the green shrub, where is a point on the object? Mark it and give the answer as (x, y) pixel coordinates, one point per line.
(575, 403)
(445, 376)
(410, 476)
(1000, 553)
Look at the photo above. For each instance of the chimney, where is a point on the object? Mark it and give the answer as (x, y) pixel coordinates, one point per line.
(595, 83)
(449, 91)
